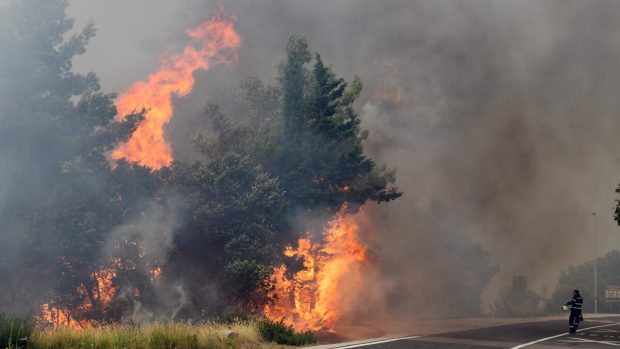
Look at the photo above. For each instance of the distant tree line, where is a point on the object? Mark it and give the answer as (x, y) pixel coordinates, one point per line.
(530, 302)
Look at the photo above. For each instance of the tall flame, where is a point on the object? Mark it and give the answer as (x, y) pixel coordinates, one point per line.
(217, 42)
(315, 298)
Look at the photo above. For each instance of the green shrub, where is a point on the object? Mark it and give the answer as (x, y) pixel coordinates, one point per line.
(280, 333)
(232, 315)
(14, 331)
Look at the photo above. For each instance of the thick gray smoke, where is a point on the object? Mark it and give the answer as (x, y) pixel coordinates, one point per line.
(500, 118)
(153, 231)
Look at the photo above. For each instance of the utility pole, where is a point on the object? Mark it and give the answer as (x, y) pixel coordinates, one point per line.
(595, 265)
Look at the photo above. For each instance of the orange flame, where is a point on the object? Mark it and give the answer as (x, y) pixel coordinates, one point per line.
(102, 294)
(59, 317)
(105, 290)
(155, 274)
(147, 146)
(315, 297)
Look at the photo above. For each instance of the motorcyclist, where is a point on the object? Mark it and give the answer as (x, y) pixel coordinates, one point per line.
(575, 311)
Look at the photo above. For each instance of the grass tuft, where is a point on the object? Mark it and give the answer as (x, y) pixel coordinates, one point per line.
(155, 336)
(14, 331)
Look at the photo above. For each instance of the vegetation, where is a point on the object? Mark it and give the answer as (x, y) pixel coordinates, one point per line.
(19, 333)
(14, 331)
(517, 303)
(581, 277)
(277, 331)
(155, 336)
(212, 229)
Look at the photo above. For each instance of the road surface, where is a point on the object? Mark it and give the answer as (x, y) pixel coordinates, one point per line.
(594, 333)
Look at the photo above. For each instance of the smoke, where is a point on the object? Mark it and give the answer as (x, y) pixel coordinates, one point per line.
(152, 230)
(169, 300)
(500, 118)
(507, 122)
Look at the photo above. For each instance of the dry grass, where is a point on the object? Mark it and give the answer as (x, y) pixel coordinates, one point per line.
(155, 336)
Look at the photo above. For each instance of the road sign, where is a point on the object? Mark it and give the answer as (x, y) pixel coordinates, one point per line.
(612, 293)
(519, 283)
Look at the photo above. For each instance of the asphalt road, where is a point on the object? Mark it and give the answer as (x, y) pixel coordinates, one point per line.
(594, 333)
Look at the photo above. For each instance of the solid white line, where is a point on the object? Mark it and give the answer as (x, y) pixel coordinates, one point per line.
(559, 335)
(376, 342)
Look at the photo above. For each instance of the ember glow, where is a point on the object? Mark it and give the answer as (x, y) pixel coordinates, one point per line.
(216, 42)
(155, 274)
(316, 297)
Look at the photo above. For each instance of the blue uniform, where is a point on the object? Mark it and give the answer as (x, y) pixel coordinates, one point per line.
(575, 313)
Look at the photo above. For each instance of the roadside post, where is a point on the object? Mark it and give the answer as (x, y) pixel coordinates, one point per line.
(519, 286)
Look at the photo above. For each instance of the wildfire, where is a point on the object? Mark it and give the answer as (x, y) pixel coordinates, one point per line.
(155, 274)
(216, 42)
(59, 317)
(100, 295)
(315, 298)
(105, 290)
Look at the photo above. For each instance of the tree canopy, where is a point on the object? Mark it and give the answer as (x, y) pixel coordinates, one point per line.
(581, 277)
(190, 240)
(55, 127)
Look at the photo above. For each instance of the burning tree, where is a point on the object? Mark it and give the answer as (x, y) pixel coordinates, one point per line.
(57, 127)
(315, 297)
(313, 144)
(85, 170)
(306, 132)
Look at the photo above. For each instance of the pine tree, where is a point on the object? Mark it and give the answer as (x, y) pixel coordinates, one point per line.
(293, 80)
(331, 167)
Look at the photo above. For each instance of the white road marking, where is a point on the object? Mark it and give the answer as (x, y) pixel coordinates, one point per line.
(601, 342)
(605, 330)
(560, 335)
(376, 342)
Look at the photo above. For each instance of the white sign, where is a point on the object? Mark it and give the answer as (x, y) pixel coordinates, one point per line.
(612, 293)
